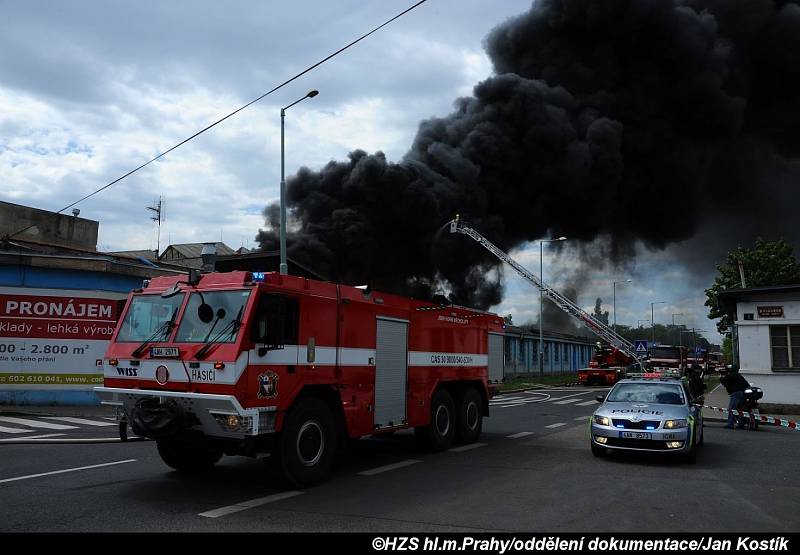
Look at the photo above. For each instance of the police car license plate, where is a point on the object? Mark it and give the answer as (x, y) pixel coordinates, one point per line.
(635, 435)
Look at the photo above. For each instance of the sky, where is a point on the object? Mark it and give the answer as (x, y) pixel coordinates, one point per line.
(89, 90)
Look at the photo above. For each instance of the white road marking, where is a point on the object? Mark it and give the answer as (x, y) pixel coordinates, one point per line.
(5, 430)
(503, 399)
(66, 470)
(74, 420)
(244, 505)
(35, 423)
(388, 467)
(587, 403)
(467, 447)
(519, 435)
(556, 425)
(583, 417)
(41, 436)
(509, 405)
(565, 401)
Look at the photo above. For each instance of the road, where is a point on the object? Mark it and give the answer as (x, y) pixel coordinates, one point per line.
(531, 471)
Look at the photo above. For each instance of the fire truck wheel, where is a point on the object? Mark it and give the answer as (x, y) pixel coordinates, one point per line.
(470, 417)
(187, 457)
(308, 443)
(439, 435)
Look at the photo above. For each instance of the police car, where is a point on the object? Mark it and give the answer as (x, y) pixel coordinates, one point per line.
(648, 412)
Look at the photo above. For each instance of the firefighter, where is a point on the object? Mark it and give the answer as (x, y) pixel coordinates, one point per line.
(735, 384)
(694, 379)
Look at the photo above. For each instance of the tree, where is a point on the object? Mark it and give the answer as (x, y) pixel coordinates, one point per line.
(727, 349)
(769, 263)
(598, 314)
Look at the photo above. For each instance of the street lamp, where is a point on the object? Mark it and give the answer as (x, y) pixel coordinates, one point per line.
(284, 268)
(653, 319)
(673, 321)
(615, 300)
(541, 300)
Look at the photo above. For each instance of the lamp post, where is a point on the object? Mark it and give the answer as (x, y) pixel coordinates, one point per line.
(284, 268)
(615, 300)
(673, 320)
(541, 300)
(653, 319)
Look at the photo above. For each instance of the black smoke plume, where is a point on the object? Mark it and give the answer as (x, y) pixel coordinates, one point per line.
(651, 121)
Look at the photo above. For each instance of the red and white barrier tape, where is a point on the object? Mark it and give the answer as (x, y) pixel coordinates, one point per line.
(760, 417)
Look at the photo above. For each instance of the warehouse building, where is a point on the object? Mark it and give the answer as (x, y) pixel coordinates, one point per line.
(563, 353)
(59, 302)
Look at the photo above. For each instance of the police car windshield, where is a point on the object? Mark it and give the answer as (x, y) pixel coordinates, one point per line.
(652, 392)
(147, 317)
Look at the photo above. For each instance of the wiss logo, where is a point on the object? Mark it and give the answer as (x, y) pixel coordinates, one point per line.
(127, 372)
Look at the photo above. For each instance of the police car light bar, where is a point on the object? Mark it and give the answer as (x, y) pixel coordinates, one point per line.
(664, 374)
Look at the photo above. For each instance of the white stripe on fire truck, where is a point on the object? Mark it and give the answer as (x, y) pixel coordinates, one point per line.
(421, 358)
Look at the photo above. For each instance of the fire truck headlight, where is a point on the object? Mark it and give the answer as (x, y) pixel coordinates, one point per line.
(672, 424)
(602, 420)
(234, 422)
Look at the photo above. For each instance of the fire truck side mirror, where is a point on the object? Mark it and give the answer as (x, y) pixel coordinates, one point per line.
(311, 350)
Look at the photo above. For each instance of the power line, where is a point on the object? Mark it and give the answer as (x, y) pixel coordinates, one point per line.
(183, 142)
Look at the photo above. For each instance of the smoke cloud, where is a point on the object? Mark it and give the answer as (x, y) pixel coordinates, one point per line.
(652, 121)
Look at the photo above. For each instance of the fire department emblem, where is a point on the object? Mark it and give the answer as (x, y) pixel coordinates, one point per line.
(268, 385)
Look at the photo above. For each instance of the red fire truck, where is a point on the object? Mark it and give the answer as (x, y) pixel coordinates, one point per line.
(668, 358)
(244, 363)
(606, 367)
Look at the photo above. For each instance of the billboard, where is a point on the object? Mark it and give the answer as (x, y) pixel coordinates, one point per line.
(53, 339)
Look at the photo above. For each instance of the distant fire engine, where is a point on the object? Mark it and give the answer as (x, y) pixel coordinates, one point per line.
(240, 363)
(607, 366)
(664, 358)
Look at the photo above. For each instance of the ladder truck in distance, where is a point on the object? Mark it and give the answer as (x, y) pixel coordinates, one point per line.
(624, 349)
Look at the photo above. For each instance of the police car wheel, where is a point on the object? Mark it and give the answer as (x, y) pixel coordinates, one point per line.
(598, 451)
(308, 443)
(187, 457)
(470, 417)
(439, 435)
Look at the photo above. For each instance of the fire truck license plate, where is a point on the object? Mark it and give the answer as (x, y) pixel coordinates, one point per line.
(635, 435)
(164, 352)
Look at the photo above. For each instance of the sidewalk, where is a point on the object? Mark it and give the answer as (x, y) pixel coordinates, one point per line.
(718, 397)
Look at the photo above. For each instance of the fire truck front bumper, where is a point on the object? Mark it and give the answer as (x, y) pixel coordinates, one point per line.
(157, 414)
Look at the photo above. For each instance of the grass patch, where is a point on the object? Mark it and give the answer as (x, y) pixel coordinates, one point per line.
(712, 381)
(530, 381)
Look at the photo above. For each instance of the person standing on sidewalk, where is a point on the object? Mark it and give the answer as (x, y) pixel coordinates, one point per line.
(735, 384)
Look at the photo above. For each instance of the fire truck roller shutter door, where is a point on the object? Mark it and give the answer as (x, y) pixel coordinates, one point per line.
(495, 357)
(391, 372)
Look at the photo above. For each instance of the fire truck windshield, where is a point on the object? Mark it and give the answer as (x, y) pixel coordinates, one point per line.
(147, 318)
(657, 352)
(227, 306)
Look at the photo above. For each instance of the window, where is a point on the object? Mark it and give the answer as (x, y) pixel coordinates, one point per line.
(226, 313)
(785, 346)
(148, 316)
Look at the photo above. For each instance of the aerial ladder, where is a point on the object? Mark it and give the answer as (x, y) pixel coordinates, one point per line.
(602, 330)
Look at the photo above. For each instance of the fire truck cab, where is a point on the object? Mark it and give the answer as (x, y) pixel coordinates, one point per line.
(245, 363)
